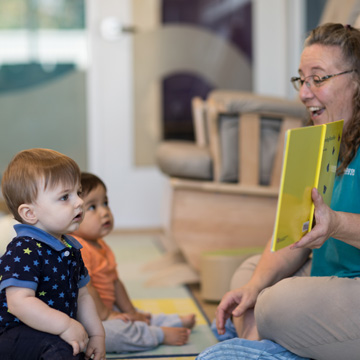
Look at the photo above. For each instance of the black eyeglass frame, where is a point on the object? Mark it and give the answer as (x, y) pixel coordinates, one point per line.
(317, 80)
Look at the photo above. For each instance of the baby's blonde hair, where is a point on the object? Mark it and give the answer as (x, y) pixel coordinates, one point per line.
(30, 168)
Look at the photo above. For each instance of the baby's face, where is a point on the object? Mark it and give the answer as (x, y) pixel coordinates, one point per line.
(58, 210)
(98, 219)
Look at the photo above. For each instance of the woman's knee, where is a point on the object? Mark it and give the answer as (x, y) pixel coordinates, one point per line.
(275, 308)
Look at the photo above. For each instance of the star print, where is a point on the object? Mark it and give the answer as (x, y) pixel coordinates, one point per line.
(0, 277)
(61, 295)
(55, 287)
(17, 259)
(62, 277)
(27, 251)
(46, 278)
(1, 318)
(59, 259)
(39, 252)
(38, 245)
(50, 302)
(49, 252)
(19, 243)
(36, 263)
(15, 275)
(54, 269)
(7, 268)
(8, 253)
(47, 262)
(42, 293)
(26, 268)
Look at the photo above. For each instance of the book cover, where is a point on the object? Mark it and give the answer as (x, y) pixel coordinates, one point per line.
(310, 160)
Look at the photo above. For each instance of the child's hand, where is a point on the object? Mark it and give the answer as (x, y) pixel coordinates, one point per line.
(118, 315)
(76, 336)
(95, 348)
(138, 316)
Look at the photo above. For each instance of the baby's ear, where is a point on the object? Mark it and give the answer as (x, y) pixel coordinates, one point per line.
(27, 213)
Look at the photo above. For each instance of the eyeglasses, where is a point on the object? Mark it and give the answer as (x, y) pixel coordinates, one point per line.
(314, 80)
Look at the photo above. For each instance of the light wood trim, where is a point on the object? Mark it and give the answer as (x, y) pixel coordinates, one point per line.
(249, 147)
(198, 113)
(287, 123)
(212, 117)
(230, 188)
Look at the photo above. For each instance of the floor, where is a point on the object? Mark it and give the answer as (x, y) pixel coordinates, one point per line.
(208, 307)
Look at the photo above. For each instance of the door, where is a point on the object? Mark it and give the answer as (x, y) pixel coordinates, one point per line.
(143, 52)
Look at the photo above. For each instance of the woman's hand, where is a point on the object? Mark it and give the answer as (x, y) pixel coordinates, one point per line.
(324, 228)
(235, 303)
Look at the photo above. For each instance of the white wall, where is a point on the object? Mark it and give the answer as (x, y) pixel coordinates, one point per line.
(278, 39)
(139, 197)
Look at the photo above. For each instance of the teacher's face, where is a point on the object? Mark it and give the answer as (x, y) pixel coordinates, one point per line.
(332, 99)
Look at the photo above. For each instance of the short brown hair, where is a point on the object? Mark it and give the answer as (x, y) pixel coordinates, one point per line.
(22, 176)
(89, 182)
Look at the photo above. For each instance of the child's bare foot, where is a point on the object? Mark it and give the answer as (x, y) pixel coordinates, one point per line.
(188, 321)
(175, 336)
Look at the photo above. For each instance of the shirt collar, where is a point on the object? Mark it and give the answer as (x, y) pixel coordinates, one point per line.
(44, 237)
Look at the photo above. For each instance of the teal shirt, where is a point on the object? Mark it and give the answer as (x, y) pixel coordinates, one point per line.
(335, 258)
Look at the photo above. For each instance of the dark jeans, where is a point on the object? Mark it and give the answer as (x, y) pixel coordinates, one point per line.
(25, 343)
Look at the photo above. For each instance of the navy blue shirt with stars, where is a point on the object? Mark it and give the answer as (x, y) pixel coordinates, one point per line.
(35, 259)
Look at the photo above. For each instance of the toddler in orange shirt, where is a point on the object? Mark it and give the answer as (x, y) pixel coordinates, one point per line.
(126, 329)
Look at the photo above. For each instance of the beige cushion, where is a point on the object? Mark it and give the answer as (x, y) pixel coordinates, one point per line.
(184, 159)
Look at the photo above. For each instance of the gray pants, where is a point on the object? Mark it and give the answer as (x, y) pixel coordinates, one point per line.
(121, 336)
(314, 317)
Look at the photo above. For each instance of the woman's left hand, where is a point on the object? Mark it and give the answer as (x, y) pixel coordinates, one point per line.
(324, 228)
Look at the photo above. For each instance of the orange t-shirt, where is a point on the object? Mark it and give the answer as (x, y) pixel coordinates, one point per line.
(101, 265)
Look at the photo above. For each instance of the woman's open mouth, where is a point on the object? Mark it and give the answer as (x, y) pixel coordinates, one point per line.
(315, 111)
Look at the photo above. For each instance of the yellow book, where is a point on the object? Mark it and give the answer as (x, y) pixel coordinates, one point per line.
(310, 160)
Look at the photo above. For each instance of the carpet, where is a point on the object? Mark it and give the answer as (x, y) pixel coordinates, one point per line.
(136, 256)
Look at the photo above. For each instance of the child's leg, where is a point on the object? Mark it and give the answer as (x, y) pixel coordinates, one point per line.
(173, 320)
(129, 336)
(123, 336)
(25, 343)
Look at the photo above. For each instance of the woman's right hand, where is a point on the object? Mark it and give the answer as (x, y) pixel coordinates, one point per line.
(235, 303)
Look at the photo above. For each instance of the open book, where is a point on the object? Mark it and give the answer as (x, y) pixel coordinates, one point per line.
(310, 160)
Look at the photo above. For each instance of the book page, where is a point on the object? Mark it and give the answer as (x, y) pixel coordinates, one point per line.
(329, 160)
(302, 159)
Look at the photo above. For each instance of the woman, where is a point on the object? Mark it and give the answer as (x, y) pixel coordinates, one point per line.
(315, 316)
